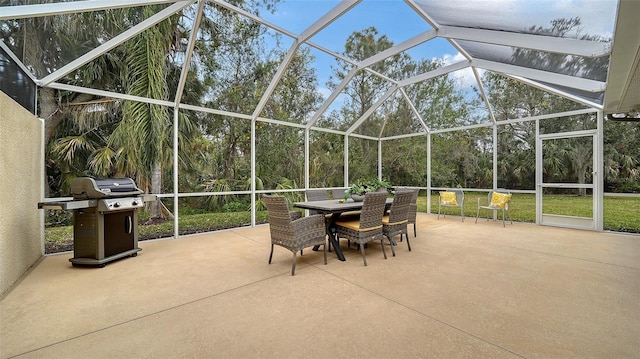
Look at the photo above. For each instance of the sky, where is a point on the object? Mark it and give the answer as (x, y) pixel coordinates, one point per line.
(392, 18)
(396, 20)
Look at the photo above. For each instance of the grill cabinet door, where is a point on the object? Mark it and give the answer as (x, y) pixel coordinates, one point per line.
(119, 232)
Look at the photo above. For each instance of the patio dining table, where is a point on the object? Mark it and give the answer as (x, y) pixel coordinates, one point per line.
(335, 208)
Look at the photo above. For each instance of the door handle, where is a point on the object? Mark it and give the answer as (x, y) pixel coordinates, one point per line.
(128, 224)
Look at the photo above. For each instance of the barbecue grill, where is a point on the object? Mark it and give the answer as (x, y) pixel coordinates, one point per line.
(105, 219)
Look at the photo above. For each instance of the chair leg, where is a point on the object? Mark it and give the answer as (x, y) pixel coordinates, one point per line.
(503, 218)
(271, 254)
(393, 251)
(438, 211)
(325, 252)
(382, 245)
(293, 267)
(477, 214)
(414, 232)
(364, 258)
(408, 244)
(462, 213)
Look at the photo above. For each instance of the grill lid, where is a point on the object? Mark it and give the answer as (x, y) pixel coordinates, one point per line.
(90, 188)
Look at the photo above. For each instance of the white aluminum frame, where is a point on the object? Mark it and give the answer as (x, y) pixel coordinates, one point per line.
(450, 33)
(596, 186)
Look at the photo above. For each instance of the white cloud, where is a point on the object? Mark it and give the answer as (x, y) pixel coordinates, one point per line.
(452, 59)
(465, 76)
(449, 59)
(325, 92)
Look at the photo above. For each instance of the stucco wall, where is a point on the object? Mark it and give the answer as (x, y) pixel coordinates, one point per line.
(21, 177)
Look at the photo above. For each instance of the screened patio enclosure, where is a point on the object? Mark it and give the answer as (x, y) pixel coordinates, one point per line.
(324, 91)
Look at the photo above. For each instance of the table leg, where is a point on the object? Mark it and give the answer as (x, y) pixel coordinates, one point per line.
(336, 245)
(333, 238)
(333, 241)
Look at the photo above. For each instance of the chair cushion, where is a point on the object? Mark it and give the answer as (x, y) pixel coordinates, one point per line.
(448, 198)
(385, 221)
(498, 200)
(355, 225)
(350, 215)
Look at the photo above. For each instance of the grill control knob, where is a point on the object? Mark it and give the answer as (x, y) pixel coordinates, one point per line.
(116, 204)
(134, 203)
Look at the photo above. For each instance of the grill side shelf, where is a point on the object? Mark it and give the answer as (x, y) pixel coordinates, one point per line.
(68, 205)
(150, 197)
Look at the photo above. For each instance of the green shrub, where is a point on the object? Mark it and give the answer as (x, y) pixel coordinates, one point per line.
(60, 239)
(56, 218)
(235, 207)
(620, 214)
(362, 186)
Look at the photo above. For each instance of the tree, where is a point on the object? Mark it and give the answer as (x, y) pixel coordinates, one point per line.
(565, 161)
(139, 135)
(103, 137)
(512, 99)
(453, 154)
(361, 93)
(436, 99)
(622, 156)
(592, 68)
(45, 44)
(280, 147)
(242, 72)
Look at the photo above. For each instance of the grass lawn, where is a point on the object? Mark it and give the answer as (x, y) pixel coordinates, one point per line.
(620, 214)
(60, 239)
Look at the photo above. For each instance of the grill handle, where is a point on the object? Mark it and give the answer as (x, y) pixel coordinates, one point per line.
(128, 224)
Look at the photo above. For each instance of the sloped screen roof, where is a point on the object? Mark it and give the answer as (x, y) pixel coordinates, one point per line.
(562, 47)
(595, 22)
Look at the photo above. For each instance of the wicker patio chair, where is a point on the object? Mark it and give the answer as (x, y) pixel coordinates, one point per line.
(338, 193)
(316, 195)
(369, 226)
(396, 222)
(497, 201)
(293, 235)
(413, 207)
(451, 198)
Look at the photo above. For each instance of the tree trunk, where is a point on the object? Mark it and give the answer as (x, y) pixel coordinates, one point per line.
(156, 187)
(581, 163)
(49, 111)
(53, 115)
(581, 180)
(52, 112)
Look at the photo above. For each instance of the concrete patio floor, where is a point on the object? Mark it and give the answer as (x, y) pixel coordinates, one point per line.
(465, 291)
